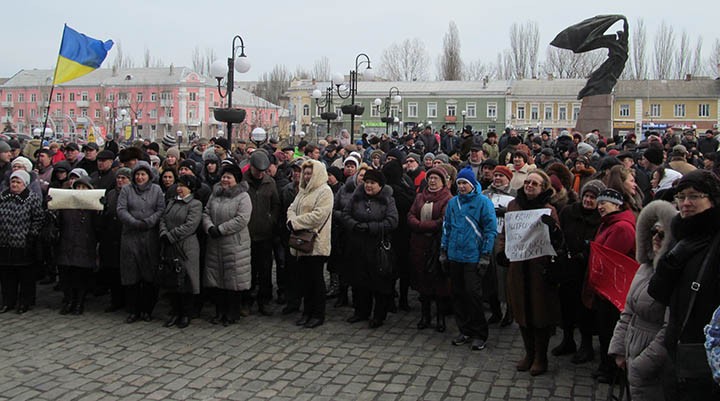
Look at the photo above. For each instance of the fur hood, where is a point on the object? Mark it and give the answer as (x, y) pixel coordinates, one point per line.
(319, 176)
(562, 172)
(658, 211)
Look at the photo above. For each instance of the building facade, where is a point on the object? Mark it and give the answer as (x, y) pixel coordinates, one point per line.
(544, 105)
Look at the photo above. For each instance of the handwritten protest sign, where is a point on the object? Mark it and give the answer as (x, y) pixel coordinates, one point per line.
(526, 237)
(500, 201)
(85, 199)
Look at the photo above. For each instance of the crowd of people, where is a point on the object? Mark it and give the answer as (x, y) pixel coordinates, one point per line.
(383, 216)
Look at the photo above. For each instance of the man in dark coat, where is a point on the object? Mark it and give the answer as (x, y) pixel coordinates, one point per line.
(104, 176)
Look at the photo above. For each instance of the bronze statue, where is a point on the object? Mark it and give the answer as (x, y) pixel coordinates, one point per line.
(590, 35)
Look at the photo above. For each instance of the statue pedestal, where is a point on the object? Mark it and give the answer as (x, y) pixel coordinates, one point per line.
(596, 113)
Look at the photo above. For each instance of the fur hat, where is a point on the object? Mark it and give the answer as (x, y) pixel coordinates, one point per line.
(24, 162)
(189, 164)
(375, 175)
(22, 175)
(594, 186)
(131, 153)
(335, 172)
(467, 175)
(654, 155)
(440, 173)
(233, 170)
(562, 172)
(169, 139)
(189, 181)
(612, 196)
(702, 181)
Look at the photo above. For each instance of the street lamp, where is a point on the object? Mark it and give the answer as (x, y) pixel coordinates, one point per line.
(352, 108)
(326, 102)
(463, 113)
(219, 70)
(393, 97)
(258, 136)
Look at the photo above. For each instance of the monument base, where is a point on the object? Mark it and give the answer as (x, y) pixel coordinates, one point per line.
(596, 113)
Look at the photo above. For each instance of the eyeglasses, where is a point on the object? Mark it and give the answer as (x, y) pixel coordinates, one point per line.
(690, 197)
(532, 183)
(659, 233)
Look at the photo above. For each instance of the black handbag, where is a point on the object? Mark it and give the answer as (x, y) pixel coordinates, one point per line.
(432, 256)
(385, 256)
(171, 273)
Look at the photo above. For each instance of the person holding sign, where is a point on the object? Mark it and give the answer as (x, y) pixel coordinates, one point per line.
(534, 302)
(469, 232)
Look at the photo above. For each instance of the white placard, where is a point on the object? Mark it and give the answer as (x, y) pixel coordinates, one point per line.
(85, 199)
(526, 237)
(500, 200)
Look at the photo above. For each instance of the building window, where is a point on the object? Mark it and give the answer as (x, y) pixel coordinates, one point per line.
(394, 111)
(168, 112)
(704, 110)
(32, 113)
(679, 110)
(139, 97)
(272, 118)
(520, 112)
(432, 110)
(471, 110)
(655, 110)
(71, 97)
(575, 111)
(71, 112)
(153, 128)
(33, 97)
(412, 110)
(21, 97)
(624, 110)
(58, 97)
(8, 97)
(83, 112)
(166, 96)
(84, 96)
(491, 110)
(153, 97)
(451, 110)
(306, 110)
(97, 97)
(548, 112)
(153, 113)
(374, 112)
(193, 96)
(534, 112)
(111, 97)
(21, 113)
(562, 112)
(97, 113)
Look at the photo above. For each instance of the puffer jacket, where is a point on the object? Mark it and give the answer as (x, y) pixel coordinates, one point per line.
(640, 331)
(21, 217)
(469, 228)
(312, 209)
(227, 258)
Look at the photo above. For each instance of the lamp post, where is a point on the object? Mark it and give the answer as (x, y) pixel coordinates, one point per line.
(463, 113)
(326, 102)
(352, 108)
(393, 97)
(258, 136)
(220, 70)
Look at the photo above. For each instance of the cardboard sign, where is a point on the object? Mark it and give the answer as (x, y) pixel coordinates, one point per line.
(526, 237)
(611, 274)
(84, 199)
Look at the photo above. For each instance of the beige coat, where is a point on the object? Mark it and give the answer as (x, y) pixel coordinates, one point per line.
(312, 209)
(519, 176)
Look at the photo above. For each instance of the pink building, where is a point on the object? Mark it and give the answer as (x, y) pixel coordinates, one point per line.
(137, 102)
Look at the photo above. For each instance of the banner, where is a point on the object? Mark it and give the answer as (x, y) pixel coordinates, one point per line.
(610, 273)
(526, 237)
(84, 199)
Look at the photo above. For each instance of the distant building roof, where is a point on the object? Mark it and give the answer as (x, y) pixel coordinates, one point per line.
(111, 77)
(546, 88)
(676, 88)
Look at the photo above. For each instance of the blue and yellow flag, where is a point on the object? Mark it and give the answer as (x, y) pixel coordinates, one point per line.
(79, 55)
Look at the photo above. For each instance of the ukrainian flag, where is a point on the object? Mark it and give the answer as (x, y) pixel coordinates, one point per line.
(79, 55)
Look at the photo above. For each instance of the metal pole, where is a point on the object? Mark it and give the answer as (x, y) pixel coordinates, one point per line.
(353, 85)
(230, 86)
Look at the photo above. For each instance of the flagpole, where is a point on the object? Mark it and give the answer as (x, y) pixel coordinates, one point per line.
(52, 88)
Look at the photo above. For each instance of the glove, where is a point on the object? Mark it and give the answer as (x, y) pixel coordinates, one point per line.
(214, 232)
(483, 264)
(682, 251)
(103, 201)
(548, 221)
(500, 211)
(361, 227)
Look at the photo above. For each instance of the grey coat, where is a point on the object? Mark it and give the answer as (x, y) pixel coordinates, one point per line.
(227, 258)
(178, 224)
(78, 239)
(640, 332)
(139, 209)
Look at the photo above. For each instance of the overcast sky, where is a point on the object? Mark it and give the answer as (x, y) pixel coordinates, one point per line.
(299, 32)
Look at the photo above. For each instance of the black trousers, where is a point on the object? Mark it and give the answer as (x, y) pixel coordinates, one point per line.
(261, 266)
(280, 257)
(468, 299)
(110, 278)
(367, 301)
(73, 278)
(313, 285)
(141, 297)
(181, 305)
(228, 302)
(606, 315)
(293, 288)
(17, 282)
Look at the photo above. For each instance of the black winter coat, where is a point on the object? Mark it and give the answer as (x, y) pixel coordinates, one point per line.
(579, 226)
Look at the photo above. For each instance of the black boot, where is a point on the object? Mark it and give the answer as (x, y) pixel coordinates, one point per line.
(403, 301)
(507, 320)
(79, 303)
(342, 298)
(567, 346)
(496, 316)
(585, 353)
(424, 322)
(440, 318)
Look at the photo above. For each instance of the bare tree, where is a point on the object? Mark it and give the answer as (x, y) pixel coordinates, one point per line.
(197, 60)
(664, 51)
(302, 73)
(524, 47)
(561, 63)
(121, 61)
(682, 56)
(714, 60)
(450, 65)
(639, 51)
(321, 69)
(406, 61)
(478, 70)
(696, 65)
(274, 84)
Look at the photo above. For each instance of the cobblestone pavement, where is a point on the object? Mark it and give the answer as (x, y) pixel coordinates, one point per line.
(97, 356)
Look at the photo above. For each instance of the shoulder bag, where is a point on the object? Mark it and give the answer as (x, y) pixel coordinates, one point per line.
(304, 240)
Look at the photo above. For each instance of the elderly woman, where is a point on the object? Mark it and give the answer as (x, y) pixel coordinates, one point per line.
(680, 270)
(520, 169)
(21, 217)
(425, 220)
(534, 302)
(139, 208)
(178, 224)
(76, 252)
(227, 261)
(24, 164)
(638, 341)
(312, 210)
(370, 214)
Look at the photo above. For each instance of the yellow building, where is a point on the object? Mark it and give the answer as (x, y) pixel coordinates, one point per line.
(543, 104)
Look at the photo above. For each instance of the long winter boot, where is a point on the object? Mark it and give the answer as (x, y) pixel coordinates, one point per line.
(567, 346)
(440, 317)
(585, 353)
(528, 337)
(424, 322)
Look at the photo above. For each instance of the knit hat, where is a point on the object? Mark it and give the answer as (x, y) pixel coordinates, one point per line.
(376, 176)
(233, 170)
(78, 172)
(24, 162)
(223, 143)
(702, 181)
(125, 172)
(492, 163)
(189, 181)
(440, 173)
(504, 171)
(24, 176)
(84, 181)
(429, 155)
(173, 151)
(594, 186)
(335, 172)
(654, 155)
(352, 160)
(413, 156)
(209, 156)
(584, 148)
(443, 158)
(468, 175)
(612, 196)
(154, 146)
(4, 147)
(398, 154)
(169, 139)
(190, 165)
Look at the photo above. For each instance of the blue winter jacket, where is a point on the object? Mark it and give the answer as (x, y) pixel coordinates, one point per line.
(469, 228)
